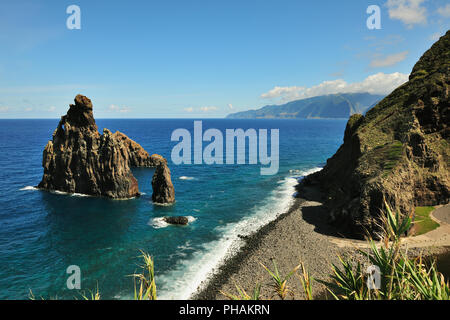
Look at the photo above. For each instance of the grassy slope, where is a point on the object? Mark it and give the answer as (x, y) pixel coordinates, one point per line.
(424, 223)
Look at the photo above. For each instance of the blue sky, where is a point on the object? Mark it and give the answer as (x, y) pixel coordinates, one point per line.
(164, 59)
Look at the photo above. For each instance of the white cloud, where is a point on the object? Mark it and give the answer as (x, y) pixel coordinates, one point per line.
(4, 109)
(288, 93)
(444, 11)
(28, 109)
(230, 106)
(208, 109)
(410, 12)
(125, 110)
(389, 60)
(201, 109)
(51, 109)
(379, 83)
(115, 108)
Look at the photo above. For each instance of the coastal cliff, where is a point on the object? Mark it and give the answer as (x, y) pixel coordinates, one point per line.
(80, 160)
(398, 151)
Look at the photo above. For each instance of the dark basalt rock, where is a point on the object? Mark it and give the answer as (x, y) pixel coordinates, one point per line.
(177, 220)
(80, 160)
(398, 152)
(163, 190)
(137, 155)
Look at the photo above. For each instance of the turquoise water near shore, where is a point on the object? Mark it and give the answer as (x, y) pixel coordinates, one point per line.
(42, 233)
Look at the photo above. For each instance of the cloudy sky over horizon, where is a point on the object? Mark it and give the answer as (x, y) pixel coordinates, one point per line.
(200, 59)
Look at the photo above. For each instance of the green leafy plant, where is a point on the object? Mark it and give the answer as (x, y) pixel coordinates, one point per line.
(280, 282)
(306, 281)
(146, 288)
(94, 295)
(243, 295)
(401, 277)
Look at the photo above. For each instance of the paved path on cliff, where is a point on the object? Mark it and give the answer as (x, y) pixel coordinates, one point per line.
(439, 237)
(442, 214)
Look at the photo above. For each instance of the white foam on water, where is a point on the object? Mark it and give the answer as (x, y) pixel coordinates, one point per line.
(304, 173)
(80, 195)
(76, 194)
(59, 192)
(63, 193)
(28, 188)
(191, 219)
(123, 199)
(311, 171)
(191, 274)
(158, 223)
(186, 178)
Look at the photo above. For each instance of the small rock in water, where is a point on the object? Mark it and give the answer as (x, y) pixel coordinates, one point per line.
(177, 220)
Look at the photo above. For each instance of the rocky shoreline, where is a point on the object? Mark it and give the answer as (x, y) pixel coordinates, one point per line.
(288, 240)
(302, 234)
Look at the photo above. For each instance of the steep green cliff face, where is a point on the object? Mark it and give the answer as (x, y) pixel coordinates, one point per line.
(398, 151)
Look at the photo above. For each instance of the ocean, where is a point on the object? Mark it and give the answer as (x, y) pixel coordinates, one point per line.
(42, 233)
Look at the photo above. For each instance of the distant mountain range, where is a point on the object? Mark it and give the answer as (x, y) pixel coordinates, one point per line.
(328, 106)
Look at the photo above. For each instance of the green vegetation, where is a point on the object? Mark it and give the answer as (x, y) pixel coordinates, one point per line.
(93, 295)
(392, 154)
(306, 281)
(280, 282)
(423, 221)
(419, 74)
(354, 120)
(146, 280)
(385, 157)
(243, 295)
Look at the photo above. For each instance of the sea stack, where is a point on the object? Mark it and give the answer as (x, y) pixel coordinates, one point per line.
(398, 152)
(80, 160)
(163, 190)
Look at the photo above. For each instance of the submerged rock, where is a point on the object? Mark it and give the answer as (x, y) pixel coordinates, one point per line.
(398, 151)
(163, 190)
(177, 220)
(80, 160)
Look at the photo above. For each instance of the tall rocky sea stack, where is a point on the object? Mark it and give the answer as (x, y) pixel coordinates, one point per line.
(399, 151)
(80, 160)
(163, 191)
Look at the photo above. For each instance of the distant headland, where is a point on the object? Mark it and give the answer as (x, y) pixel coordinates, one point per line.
(332, 106)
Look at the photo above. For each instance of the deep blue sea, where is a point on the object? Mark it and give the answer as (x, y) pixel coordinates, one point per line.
(42, 233)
